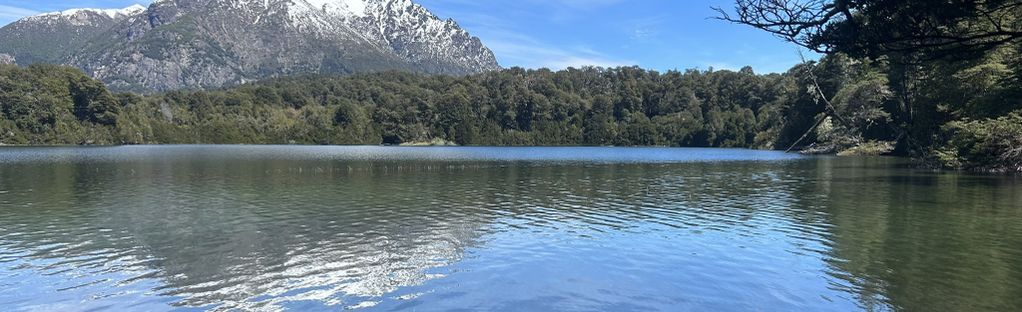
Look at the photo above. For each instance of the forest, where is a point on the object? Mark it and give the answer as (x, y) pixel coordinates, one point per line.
(45, 104)
(628, 106)
(951, 103)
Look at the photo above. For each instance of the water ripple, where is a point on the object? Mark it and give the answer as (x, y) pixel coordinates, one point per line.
(282, 228)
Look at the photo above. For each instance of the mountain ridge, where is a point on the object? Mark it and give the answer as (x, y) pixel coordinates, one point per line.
(176, 44)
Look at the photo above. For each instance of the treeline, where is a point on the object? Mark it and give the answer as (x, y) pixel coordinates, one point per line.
(839, 104)
(591, 106)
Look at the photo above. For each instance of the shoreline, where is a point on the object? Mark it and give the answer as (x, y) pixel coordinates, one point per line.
(919, 163)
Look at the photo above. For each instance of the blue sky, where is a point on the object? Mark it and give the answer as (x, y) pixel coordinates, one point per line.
(657, 34)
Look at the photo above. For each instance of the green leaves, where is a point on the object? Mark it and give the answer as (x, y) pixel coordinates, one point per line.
(92, 101)
(625, 107)
(987, 144)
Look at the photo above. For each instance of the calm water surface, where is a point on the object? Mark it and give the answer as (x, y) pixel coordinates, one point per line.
(499, 229)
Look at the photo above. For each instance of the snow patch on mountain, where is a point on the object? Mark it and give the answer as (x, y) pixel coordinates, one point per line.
(211, 43)
(340, 7)
(111, 13)
(403, 26)
(7, 59)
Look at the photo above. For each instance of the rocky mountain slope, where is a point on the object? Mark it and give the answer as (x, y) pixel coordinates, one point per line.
(211, 43)
(52, 37)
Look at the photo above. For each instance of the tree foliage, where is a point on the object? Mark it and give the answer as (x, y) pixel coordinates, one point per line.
(587, 106)
(578, 106)
(992, 144)
(929, 72)
(874, 28)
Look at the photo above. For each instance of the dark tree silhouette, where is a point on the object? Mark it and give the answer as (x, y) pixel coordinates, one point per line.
(931, 28)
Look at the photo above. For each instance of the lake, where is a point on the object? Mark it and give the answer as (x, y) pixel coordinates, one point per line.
(306, 228)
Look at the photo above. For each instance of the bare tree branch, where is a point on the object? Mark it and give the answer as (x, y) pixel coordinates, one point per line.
(877, 27)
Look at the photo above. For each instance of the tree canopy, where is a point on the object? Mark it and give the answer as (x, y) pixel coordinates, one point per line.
(872, 28)
(941, 111)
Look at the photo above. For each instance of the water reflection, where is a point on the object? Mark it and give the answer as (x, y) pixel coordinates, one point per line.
(185, 228)
(923, 241)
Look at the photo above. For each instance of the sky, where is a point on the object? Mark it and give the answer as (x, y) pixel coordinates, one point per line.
(654, 34)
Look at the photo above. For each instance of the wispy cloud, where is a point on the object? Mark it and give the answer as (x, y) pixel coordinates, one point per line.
(721, 66)
(11, 12)
(582, 61)
(581, 4)
(520, 50)
(539, 6)
(526, 51)
(565, 11)
(513, 46)
(644, 29)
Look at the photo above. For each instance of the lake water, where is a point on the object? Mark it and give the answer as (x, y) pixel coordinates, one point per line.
(155, 228)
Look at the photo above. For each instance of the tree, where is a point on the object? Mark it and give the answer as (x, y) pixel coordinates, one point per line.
(92, 101)
(875, 28)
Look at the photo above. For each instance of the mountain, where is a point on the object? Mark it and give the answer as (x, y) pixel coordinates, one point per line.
(51, 37)
(176, 44)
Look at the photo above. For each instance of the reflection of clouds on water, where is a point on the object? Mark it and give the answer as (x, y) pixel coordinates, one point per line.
(191, 228)
(221, 235)
(337, 277)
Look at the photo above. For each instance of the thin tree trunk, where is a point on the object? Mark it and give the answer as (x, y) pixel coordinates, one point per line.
(817, 124)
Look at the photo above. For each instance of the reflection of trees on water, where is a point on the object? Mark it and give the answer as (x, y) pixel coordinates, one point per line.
(259, 233)
(922, 241)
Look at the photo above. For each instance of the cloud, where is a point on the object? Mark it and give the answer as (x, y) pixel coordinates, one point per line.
(581, 61)
(512, 46)
(10, 12)
(645, 29)
(721, 66)
(581, 4)
(641, 34)
(518, 49)
(560, 11)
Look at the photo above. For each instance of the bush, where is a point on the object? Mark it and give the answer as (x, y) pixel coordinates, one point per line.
(870, 148)
(984, 145)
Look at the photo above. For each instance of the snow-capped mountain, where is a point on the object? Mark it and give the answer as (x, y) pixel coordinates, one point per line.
(52, 37)
(83, 15)
(210, 43)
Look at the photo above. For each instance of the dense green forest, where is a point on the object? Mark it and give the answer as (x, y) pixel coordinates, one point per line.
(45, 104)
(943, 99)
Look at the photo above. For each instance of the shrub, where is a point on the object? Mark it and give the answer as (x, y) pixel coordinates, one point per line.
(986, 145)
